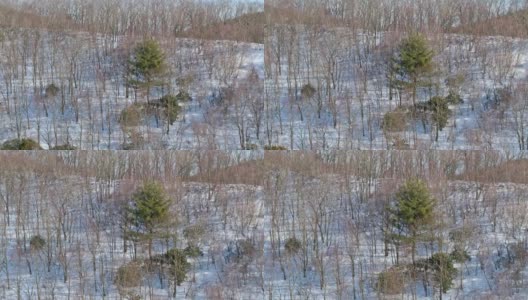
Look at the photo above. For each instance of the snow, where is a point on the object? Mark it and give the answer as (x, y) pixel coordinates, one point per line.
(488, 63)
(94, 124)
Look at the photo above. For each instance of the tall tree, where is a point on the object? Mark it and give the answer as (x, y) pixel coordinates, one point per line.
(412, 62)
(441, 266)
(149, 214)
(412, 213)
(147, 66)
(439, 113)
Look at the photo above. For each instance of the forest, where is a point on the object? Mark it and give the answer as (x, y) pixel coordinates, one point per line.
(404, 75)
(270, 225)
(263, 149)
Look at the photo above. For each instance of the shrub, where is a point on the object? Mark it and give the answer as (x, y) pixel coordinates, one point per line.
(459, 255)
(177, 262)
(52, 90)
(20, 144)
(454, 98)
(440, 111)
(170, 104)
(307, 91)
(192, 251)
(183, 96)
(37, 243)
(129, 275)
(292, 245)
(275, 147)
(441, 264)
(391, 281)
(245, 248)
(395, 121)
(131, 115)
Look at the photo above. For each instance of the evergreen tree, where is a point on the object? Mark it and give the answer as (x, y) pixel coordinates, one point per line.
(149, 214)
(442, 269)
(412, 62)
(176, 260)
(412, 213)
(440, 112)
(147, 66)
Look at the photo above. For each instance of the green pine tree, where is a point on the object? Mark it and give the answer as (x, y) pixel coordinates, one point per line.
(440, 113)
(442, 270)
(412, 213)
(149, 215)
(147, 66)
(413, 61)
(176, 260)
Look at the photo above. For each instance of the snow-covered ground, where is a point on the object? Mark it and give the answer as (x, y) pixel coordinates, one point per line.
(338, 218)
(89, 71)
(349, 72)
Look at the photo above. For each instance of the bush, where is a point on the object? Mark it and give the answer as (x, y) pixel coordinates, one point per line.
(37, 243)
(459, 255)
(177, 262)
(129, 275)
(52, 90)
(391, 281)
(275, 147)
(245, 248)
(192, 251)
(440, 111)
(395, 121)
(20, 144)
(441, 264)
(131, 115)
(292, 246)
(307, 91)
(454, 98)
(183, 96)
(170, 104)
(399, 143)
(64, 147)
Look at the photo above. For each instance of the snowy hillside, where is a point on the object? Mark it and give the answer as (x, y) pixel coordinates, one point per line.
(88, 73)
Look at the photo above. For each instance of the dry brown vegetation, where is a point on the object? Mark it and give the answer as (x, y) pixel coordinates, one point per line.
(387, 15)
(514, 171)
(229, 21)
(514, 24)
(246, 28)
(11, 17)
